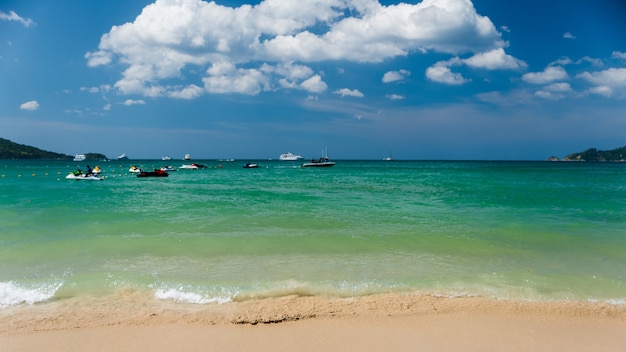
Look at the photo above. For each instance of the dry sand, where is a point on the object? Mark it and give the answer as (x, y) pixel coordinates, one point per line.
(389, 322)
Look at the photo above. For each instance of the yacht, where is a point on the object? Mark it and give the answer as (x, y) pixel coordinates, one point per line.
(80, 157)
(290, 157)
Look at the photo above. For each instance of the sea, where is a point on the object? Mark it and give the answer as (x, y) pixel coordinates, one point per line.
(538, 231)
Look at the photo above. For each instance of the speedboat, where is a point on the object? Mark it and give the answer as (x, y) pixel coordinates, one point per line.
(168, 168)
(251, 166)
(134, 169)
(80, 157)
(78, 175)
(155, 173)
(193, 166)
(290, 157)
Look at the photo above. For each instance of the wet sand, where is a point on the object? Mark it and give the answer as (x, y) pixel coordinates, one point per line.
(130, 321)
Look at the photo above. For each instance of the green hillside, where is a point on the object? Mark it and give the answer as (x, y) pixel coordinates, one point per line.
(11, 150)
(592, 154)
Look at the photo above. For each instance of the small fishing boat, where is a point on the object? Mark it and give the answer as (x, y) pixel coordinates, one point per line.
(323, 161)
(251, 166)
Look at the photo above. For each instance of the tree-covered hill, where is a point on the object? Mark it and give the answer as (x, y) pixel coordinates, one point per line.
(592, 154)
(12, 150)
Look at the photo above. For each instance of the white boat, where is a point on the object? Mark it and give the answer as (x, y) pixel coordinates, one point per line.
(122, 157)
(166, 158)
(167, 168)
(321, 162)
(192, 166)
(290, 157)
(80, 176)
(80, 157)
(187, 157)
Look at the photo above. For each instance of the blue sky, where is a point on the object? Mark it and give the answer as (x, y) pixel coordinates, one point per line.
(436, 79)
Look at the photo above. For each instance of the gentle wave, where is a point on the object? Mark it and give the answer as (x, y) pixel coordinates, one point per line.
(12, 294)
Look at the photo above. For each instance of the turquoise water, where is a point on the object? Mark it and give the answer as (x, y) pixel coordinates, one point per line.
(515, 230)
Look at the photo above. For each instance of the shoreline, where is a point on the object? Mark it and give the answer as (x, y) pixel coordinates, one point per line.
(130, 321)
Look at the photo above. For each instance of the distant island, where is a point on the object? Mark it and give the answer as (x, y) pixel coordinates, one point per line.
(593, 154)
(12, 150)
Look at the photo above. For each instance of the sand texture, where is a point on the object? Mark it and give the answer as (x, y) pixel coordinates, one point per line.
(131, 321)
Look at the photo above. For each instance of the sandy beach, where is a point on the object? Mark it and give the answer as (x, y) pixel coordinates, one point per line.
(390, 322)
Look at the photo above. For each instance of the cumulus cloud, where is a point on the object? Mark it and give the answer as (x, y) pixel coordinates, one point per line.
(394, 76)
(548, 75)
(30, 105)
(443, 74)
(495, 59)
(345, 92)
(607, 82)
(568, 35)
(12, 16)
(618, 55)
(554, 91)
(259, 42)
(314, 85)
(129, 102)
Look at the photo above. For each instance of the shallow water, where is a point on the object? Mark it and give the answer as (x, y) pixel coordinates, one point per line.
(520, 230)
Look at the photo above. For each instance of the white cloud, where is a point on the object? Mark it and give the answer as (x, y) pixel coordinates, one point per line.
(601, 90)
(548, 75)
(561, 62)
(393, 76)
(618, 55)
(12, 16)
(345, 92)
(559, 87)
(443, 74)
(190, 92)
(609, 82)
(591, 60)
(495, 59)
(30, 105)
(395, 97)
(554, 91)
(613, 77)
(200, 34)
(568, 35)
(129, 102)
(314, 85)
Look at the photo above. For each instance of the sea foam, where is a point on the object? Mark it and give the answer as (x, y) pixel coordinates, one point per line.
(12, 294)
(183, 296)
